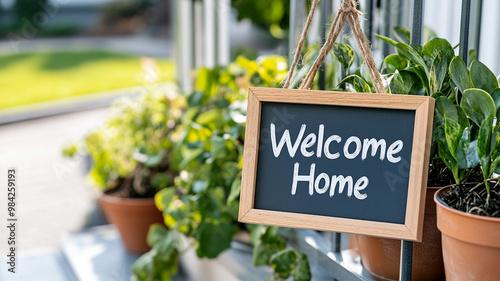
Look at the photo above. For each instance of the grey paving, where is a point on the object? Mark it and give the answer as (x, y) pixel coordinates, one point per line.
(46, 265)
(54, 196)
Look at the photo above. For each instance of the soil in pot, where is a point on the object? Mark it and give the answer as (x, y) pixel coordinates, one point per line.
(471, 243)
(132, 218)
(381, 256)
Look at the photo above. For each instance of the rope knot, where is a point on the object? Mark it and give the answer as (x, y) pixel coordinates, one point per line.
(349, 7)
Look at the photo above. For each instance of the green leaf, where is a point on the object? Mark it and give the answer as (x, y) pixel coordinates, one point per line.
(161, 180)
(267, 244)
(438, 46)
(495, 141)
(387, 40)
(439, 69)
(160, 263)
(208, 117)
(478, 105)
(460, 74)
(218, 147)
(484, 143)
(402, 34)
(409, 53)
(234, 194)
(467, 155)
(357, 82)
(291, 263)
(406, 83)
(495, 166)
(213, 238)
(345, 54)
(300, 75)
(395, 62)
(496, 99)
(482, 77)
(445, 154)
(453, 133)
(164, 197)
(156, 233)
(472, 56)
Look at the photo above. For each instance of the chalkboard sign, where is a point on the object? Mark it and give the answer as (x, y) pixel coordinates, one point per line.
(336, 161)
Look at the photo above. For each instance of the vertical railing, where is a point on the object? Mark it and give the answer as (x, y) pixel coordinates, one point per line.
(463, 49)
(201, 35)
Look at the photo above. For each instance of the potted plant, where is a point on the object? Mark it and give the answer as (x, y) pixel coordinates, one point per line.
(433, 70)
(468, 212)
(413, 70)
(203, 204)
(131, 161)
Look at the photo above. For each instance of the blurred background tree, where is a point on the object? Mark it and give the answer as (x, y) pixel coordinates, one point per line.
(271, 15)
(27, 9)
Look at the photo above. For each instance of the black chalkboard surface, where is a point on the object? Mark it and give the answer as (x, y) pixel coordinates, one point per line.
(346, 162)
(386, 181)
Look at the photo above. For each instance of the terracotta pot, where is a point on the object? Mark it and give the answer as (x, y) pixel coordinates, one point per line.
(471, 243)
(132, 218)
(381, 256)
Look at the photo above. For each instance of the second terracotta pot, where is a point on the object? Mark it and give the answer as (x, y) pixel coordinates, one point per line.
(132, 218)
(381, 256)
(471, 244)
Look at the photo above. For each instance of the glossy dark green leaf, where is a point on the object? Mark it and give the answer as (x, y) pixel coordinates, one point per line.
(495, 165)
(291, 263)
(495, 141)
(478, 105)
(496, 99)
(438, 72)
(482, 77)
(453, 133)
(484, 143)
(438, 46)
(409, 53)
(445, 154)
(471, 57)
(386, 40)
(406, 83)
(402, 34)
(460, 74)
(421, 72)
(357, 82)
(213, 238)
(345, 54)
(467, 155)
(395, 62)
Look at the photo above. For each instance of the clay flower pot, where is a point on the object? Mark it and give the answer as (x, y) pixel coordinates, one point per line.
(132, 218)
(381, 256)
(471, 243)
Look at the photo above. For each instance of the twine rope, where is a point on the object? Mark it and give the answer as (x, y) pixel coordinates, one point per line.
(347, 11)
(300, 44)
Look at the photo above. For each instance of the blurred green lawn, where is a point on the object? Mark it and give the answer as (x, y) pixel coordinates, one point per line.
(29, 78)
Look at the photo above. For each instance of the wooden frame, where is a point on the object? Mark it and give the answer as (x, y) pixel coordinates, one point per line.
(410, 230)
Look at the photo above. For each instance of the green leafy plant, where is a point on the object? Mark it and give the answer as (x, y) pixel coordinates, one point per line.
(131, 150)
(466, 141)
(203, 202)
